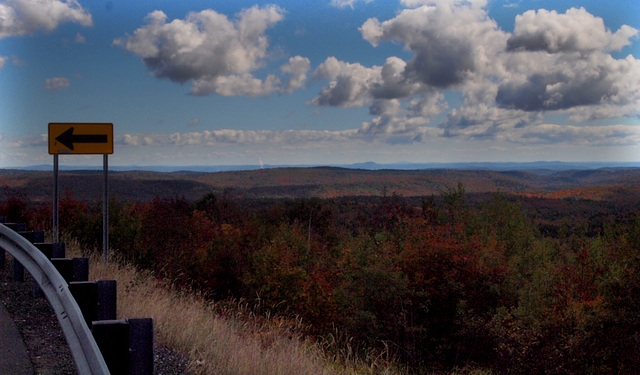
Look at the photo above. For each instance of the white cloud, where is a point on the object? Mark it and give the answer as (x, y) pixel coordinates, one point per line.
(217, 54)
(451, 40)
(575, 30)
(56, 83)
(354, 85)
(347, 3)
(609, 135)
(388, 129)
(350, 84)
(552, 63)
(235, 85)
(444, 3)
(39, 141)
(3, 60)
(234, 136)
(20, 17)
(594, 83)
(297, 67)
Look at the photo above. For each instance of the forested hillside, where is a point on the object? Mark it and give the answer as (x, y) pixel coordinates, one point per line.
(319, 182)
(505, 272)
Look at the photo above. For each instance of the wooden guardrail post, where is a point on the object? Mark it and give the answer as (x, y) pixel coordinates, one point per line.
(52, 249)
(72, 269)
(16, 227)
(13, 226)
(141, 339)
(126, 344)
(112, 337)
(80, 269)
(86, 295)
(97, 299)
(2, 258)
(3, 219)
(65, 267)
(31, 236)
(107, 299)
(18, 271)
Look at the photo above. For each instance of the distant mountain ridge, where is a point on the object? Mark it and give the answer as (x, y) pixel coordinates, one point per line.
(324, 182)
(541, 167)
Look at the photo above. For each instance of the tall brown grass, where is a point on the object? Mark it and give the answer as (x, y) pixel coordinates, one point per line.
(222, 338)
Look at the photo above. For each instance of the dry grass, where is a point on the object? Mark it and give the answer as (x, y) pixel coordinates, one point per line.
(220, 338)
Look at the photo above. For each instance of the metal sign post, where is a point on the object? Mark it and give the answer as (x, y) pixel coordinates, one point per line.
(55, 199)
(82, 139)
(105, 208)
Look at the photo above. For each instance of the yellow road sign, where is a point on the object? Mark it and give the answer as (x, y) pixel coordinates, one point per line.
(80, 138)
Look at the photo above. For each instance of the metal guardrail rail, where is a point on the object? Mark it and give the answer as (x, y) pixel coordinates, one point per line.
(84, 349)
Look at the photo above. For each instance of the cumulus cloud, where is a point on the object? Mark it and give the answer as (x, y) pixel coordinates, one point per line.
(354, 85)
(56, 83)
(551, 63)
(20, 17)
(575, 30)
(572, 81)
(450, 40)
(3, 60)
(297, 67)
(350, 84)
(219, 55)
(562, 62)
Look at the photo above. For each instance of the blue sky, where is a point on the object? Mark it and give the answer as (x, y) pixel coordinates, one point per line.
(323, 82)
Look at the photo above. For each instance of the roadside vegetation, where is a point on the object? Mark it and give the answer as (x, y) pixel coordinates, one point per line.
(447, 283)
(224, 337)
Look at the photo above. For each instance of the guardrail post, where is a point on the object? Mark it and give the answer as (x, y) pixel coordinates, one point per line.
(2, 258)
(52, 249)
(18, 271)
(31, 236)
(141, 346)
(112, 337)
(86, 295)
(127, 345)
(107, 300)
(97, 299)
(14, 227)
(64, 267)
(3, 219)
(80, 269)
(17, 227)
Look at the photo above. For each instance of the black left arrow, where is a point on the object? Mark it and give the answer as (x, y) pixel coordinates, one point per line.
(68, 138)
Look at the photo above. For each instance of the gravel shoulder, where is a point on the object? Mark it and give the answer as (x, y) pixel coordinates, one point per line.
(43, 337)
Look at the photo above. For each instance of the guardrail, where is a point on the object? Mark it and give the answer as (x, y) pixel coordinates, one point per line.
(85, 351)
